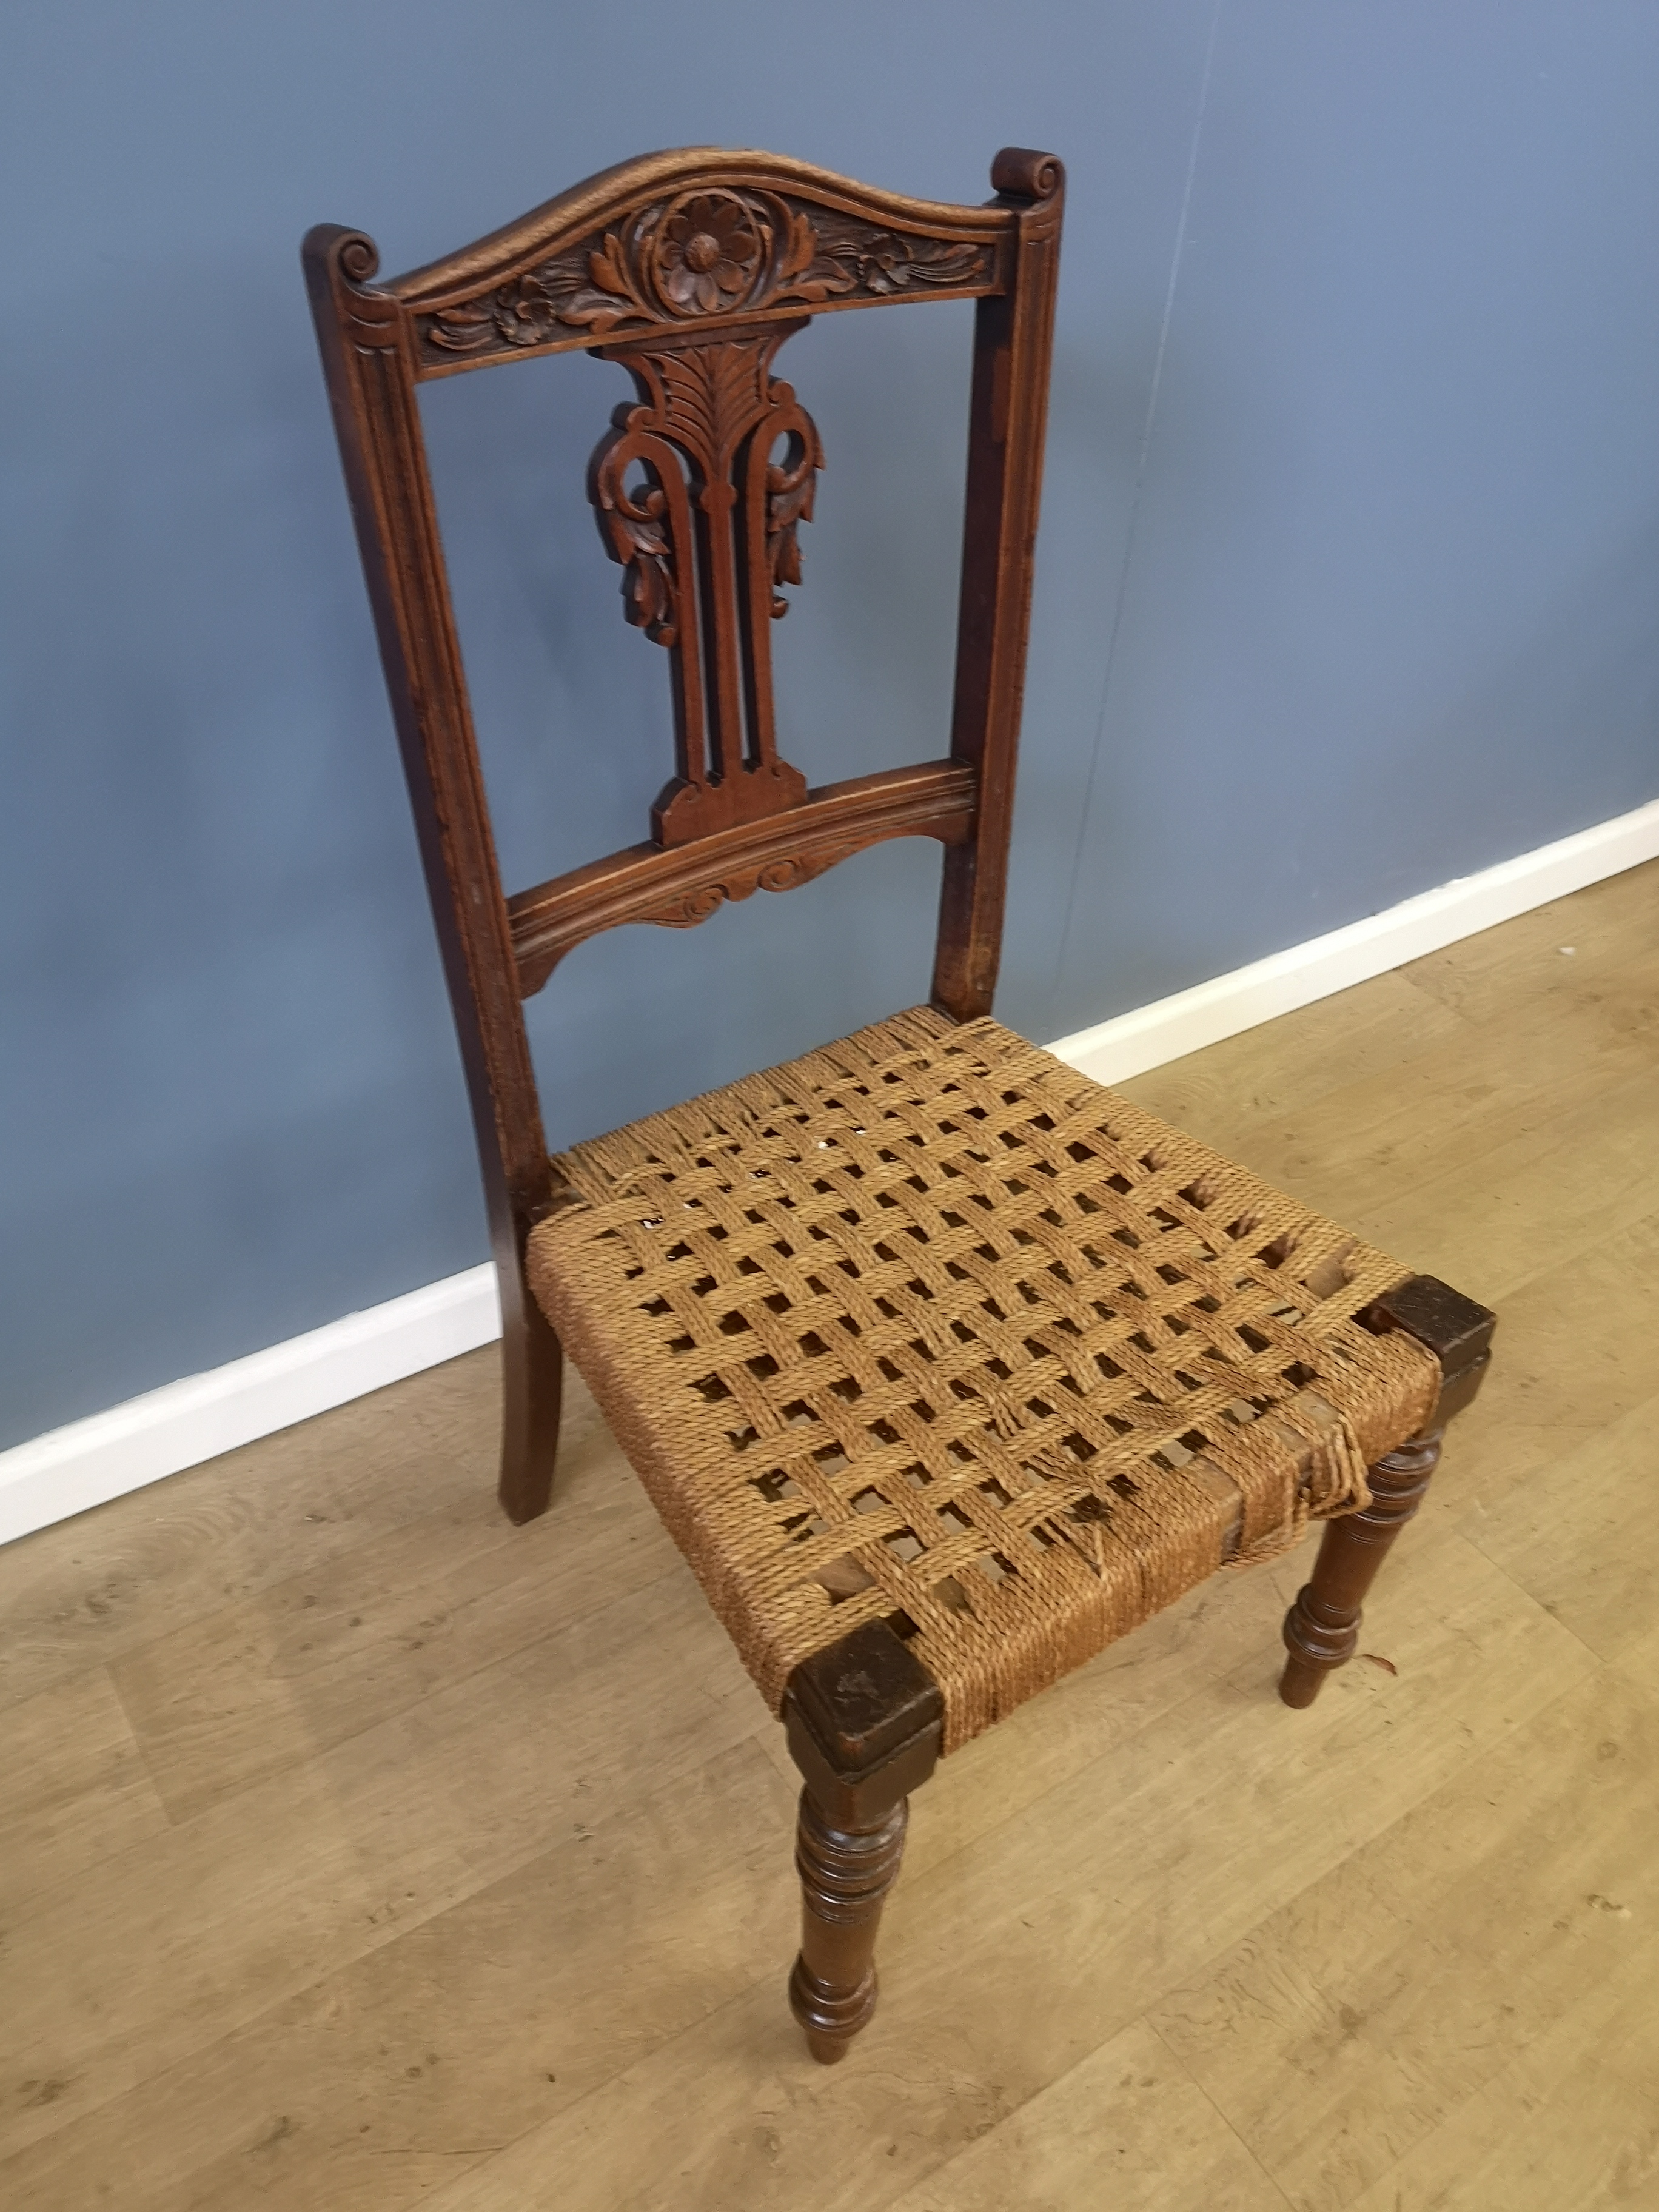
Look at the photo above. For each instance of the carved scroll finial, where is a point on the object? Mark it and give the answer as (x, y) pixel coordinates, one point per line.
(1024, 173)
(338, 264)
(360, 258)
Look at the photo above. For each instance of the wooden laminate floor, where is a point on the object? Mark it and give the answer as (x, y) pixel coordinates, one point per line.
(358, 1852)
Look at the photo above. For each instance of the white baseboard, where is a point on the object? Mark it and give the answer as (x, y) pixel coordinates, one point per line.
(166, 1431)
(1128, 1044)
(180, 1424)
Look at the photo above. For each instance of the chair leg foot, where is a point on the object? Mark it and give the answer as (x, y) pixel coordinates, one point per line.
(1301, 1681)
(1322, 1629)
(532, 1392)
(845, 1876)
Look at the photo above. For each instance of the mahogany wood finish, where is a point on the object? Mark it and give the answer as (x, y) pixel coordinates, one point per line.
(865, 1721)
(1322, 1629)
(935, 799)
(689, 270)
(845, 1876)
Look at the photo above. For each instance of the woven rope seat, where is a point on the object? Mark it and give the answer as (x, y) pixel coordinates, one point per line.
(927, 1327)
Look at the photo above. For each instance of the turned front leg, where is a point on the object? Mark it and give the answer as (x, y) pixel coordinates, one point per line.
(864, 1720)
(845, 1876)
(1322, 1629)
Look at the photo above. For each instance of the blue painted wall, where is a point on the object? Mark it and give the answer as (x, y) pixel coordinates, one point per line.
(1349, 563)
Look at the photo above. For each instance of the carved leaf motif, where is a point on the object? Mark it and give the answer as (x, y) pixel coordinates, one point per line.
(789, 488)
(850, 256)
(592, 292)
(802, 246)
(712, 251)
(463, 329)
(650, 582)
(605, 268)
(636, 531)
(601, 316)
(709, 419)
(927, 262)
(712, 395)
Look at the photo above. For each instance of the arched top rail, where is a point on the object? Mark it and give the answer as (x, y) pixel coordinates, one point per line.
(696, 237)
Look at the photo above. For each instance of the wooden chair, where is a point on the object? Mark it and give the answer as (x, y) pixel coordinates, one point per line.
(943, 1365)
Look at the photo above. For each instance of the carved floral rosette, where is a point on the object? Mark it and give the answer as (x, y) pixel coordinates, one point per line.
(708, 252)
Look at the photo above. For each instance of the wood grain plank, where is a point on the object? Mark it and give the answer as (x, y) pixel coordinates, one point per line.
(1126, 2127)
(188, 1935)
(389, 2076)
(1286, 1067)
(274, 1678)
(1571, 2125)
(1569, 1537)
(1361, 1149)
(1578, 1350)
(1484, 977)
(1526, 1879)
(1559, 1190)
(77, 1789)
(1006, 1963)
(1639, 1663)
(87, 1590)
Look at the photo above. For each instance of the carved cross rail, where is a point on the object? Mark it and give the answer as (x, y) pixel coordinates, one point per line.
(682, 885)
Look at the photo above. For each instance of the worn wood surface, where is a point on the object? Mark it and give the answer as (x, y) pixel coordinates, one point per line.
(358, 1852)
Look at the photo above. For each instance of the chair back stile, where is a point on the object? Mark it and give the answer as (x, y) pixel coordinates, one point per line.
(690, 269)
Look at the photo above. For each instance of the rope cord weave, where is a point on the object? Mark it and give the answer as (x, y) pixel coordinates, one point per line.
(926, 1326)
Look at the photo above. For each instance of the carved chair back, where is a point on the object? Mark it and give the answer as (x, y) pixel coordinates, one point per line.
(690, 269)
